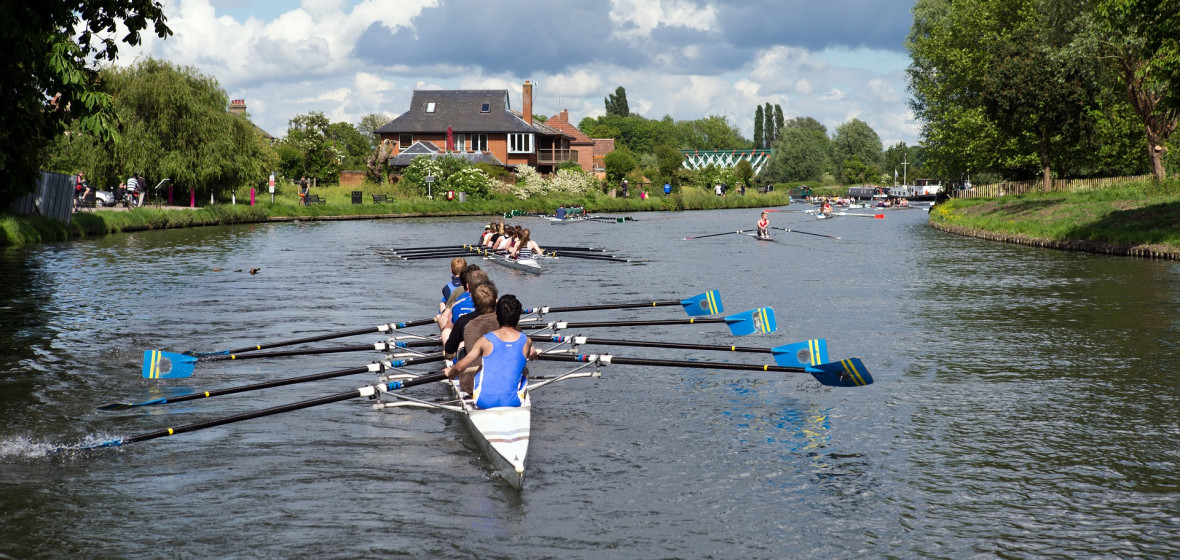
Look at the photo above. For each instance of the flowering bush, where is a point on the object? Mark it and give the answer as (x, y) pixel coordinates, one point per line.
(472, 181)
(529, 183)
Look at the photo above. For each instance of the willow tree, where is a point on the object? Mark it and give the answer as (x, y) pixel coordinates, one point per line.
(174, 124)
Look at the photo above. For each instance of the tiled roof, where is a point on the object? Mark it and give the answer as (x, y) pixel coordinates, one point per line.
(459, 109)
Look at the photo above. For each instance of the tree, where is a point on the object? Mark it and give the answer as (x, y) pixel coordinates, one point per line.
(619, 163)
(669, 161)
(369, 125)
(769, 132)
(800, 155)
(308, 149)
(173, 124)
(48, 76)
(1139, 41)
(856, 138)
(778, 121)
(743, 172)
(713, 132)
(616, 103)
(759, 142)
(353, 143)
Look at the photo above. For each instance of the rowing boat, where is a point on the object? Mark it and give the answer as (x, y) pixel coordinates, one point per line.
(502, 433)
(528, 265)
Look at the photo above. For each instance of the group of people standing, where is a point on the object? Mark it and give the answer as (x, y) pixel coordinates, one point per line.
(516, 241)
(131, 192)
(479, 329)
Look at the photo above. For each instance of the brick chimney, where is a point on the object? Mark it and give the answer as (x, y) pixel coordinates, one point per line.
(237, 106)
(527, 104)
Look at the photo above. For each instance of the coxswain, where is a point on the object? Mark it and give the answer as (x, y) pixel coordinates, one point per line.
(764, 226)
(525, 247)
(501, 380)
(458, 264)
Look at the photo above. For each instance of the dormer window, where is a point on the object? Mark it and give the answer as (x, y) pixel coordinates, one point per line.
(430, 107)
(485, 108)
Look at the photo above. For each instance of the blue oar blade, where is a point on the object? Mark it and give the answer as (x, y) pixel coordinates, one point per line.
(158, 364)
(708, 303)
(801, 354)
(759, 320)
(845, 373)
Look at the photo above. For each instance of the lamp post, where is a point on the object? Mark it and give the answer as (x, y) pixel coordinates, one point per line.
(429, 186)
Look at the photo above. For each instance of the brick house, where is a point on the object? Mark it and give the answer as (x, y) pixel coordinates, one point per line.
(482, 128)
(590, 152)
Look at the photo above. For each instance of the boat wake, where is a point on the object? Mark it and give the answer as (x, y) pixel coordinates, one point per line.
(17, 448)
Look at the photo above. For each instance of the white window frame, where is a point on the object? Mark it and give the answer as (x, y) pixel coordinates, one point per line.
(485, 107)
(460, 143)
(521, 143)
(430, 106)
(402, 144)
(479, 142)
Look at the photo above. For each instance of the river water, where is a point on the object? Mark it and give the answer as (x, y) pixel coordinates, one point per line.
(1025, 403)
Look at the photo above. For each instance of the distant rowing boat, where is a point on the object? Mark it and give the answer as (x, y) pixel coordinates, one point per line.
(527, 265)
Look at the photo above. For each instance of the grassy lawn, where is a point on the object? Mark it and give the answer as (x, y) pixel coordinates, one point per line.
(1142, 213)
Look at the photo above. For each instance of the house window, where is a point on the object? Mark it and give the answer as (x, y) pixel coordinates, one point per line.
(430, 107)
(520, 143)
(485, 108)
(479, 142)
(405, 140)
(460, 143)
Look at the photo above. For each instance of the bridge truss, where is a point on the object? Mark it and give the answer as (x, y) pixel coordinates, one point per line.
(698, 159)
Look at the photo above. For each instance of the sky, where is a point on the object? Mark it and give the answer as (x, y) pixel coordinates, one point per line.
(833, 61)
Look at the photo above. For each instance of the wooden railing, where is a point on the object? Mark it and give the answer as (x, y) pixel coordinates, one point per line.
(555, 155)
(1008, 188)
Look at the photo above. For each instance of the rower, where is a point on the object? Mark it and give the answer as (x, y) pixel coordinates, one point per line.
(501, 381)
(472, 327)
(763, 226)
(526, 248)
(458, 265)
(561, 212)
(826, 208)
(462, 304)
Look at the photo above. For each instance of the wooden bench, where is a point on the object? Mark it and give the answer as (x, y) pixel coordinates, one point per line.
(765, 188)
(315, 199)
(377, 198)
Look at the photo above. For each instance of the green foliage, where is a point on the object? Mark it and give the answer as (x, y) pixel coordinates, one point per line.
(759, 139)
(769, 132)
(449, 173)
(316, 155)
(354, 144)
(801, 155)
(669, 161)
(743, 172)
(616, 103)
(618, 164)
(857, 143)
(369, 125)
(49, 49)
(564, 183)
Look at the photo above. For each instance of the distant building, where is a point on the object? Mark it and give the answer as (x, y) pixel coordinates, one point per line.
(238, 107)
(590, 152)
(477, 125)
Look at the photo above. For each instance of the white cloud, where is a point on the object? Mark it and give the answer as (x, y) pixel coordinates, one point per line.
(637, 19)
(833, 95)
(883, 91)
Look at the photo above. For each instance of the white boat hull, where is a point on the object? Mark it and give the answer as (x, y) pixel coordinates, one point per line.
(502, 435)
(527, 265)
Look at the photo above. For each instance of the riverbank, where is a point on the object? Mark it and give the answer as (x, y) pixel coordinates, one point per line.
(16, 230)
(1137, 219)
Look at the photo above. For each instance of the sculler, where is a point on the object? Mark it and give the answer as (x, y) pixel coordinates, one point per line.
(764, 226)
(501, 380)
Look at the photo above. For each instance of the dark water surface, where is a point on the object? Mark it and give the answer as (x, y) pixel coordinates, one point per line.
(1025, 406)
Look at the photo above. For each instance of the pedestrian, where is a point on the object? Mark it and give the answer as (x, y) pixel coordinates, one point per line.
(667, 189)
(626, 189)
(142, 188)
(304, 190)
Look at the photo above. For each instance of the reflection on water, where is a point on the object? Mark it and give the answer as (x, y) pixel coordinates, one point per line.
(1020, 407)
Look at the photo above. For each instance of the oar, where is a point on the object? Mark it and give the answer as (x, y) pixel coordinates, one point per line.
(428, 256)
(874, 216)
(160, 364)
(804, 232)
(708, 303)
(589, 257)
(368, 391)
(799, 354)
(375, 367)
(378, 329)
(759, 320)
(715, 234)
(845, 373)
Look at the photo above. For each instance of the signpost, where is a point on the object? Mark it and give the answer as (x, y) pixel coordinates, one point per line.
(272, 188)
(429, 185)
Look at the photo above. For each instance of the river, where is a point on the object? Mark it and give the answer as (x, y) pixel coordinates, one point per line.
(1025, 403)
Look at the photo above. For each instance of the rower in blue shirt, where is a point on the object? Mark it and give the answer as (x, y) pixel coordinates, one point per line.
(458, 264)
(561, 212)
(501, 380)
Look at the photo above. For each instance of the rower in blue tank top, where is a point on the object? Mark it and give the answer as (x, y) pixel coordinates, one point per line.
(501, 380)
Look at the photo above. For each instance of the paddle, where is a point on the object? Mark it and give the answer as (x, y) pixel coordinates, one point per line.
(799, 354)
(845, 373)
(708, 303)
(759, 320)
(160, 364)
(379, 328)
(375, 367)
(589, 257)
(368, 391)
(715, 234)
(804, 232)
(428, 256)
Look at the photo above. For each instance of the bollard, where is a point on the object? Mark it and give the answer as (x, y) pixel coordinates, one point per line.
(251, 196)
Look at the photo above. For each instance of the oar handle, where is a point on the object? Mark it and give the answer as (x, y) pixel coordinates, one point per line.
(608, 359)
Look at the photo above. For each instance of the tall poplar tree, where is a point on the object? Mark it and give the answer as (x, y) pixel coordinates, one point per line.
(758, 128)
(778, 122)
(769, 132)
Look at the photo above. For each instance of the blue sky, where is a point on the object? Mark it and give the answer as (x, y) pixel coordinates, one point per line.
(833, 60)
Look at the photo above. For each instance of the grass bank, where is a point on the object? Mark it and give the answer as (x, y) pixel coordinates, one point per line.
(36, 229)
(1134, 219)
